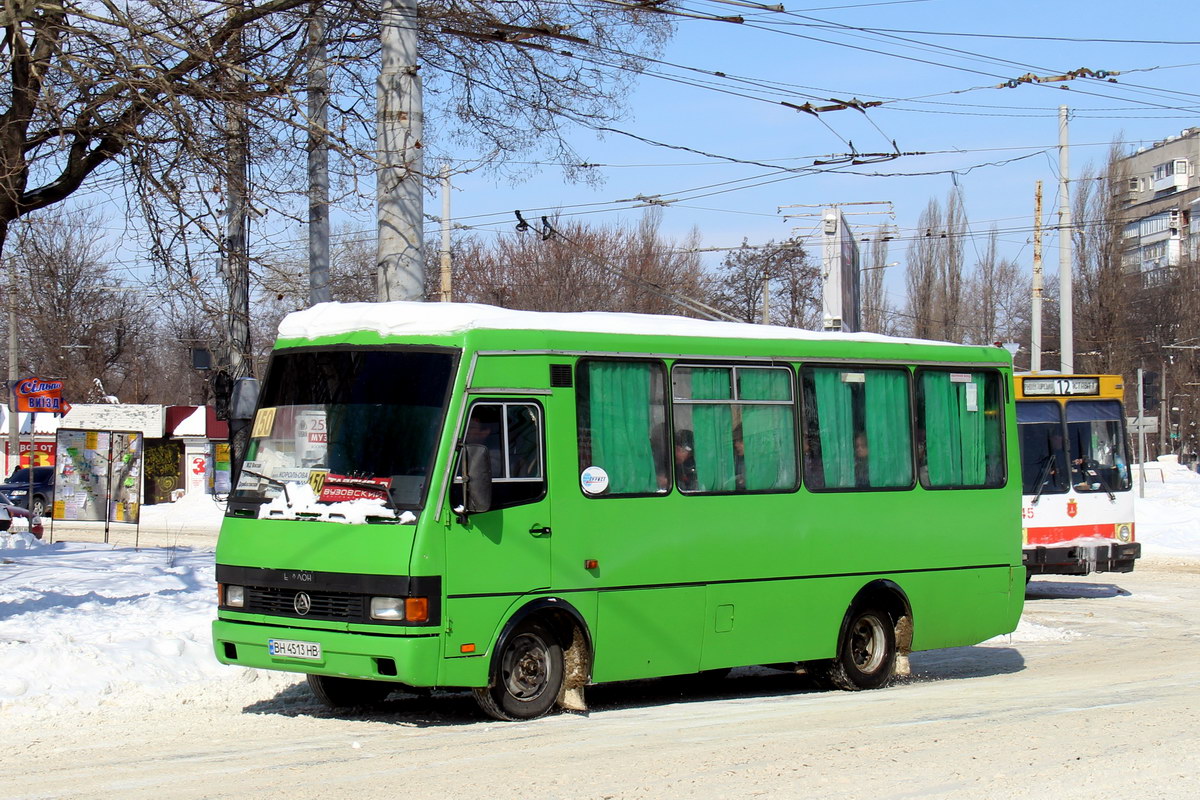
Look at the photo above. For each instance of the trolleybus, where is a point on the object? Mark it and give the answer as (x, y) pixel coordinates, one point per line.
(522, 504)
(1077, 505)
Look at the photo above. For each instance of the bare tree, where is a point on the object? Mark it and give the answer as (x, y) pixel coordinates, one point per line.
(791, 280)
(73, 320)
(877, 316)
(925, 320)
(572, 267)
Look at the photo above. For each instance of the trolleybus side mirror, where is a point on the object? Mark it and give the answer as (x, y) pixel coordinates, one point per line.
(477, 478)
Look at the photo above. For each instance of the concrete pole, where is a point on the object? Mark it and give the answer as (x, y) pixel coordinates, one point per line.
(318, 162)
(14, 428)
(1035, 331)
(1066, 307)
(446, 267)
(401, 269)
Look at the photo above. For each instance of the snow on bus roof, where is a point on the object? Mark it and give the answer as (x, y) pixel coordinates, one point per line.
(402, 318)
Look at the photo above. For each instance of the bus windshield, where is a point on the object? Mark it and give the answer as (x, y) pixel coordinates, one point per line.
(1043, 451)
(351, 424)
(1096, 442)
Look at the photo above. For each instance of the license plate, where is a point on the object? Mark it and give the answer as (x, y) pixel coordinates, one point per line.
(286, 648)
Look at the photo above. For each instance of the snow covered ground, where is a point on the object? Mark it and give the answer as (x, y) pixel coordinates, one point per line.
(88, 624)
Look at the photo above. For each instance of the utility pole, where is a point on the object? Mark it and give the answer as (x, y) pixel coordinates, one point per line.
(237, 260)
(766, 317)
(1066, 333)
(318, 161)
(401, 270)
(446, 275)
(1035, 330)
(14, 428)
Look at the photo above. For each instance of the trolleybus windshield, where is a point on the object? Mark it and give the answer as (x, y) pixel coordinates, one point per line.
(350, 424)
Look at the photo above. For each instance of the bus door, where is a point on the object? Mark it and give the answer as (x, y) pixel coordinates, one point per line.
(506, 549)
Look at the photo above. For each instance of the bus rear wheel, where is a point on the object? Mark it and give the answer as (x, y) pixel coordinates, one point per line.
(866, 657)
(527, 675)
(348, 692)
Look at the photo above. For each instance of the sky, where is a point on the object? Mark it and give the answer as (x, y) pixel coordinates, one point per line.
(88, 624)
(990, 144)
(722, 154)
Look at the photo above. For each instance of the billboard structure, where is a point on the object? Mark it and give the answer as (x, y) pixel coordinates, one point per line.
(840, 271)
(98, 476)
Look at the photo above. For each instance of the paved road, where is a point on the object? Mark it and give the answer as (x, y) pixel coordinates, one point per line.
(1095, 697)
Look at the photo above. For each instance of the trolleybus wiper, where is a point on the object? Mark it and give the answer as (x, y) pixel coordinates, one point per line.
(1043, 476)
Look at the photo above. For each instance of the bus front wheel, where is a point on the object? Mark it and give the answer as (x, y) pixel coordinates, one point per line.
(526, 675)
(348, 692)
(866, 657)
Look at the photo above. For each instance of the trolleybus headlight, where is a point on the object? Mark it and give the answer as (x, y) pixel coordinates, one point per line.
(1124, 532)
(235, 596)
(389, 608)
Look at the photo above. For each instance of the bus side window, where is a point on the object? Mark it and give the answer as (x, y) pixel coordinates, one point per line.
(734, 429)
(962, 429)
(512, 433)
(857, 428)
(621, 412)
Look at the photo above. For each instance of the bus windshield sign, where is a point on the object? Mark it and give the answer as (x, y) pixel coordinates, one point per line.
(1049, 387)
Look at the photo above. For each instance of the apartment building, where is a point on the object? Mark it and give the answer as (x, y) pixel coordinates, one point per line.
(1160, 202)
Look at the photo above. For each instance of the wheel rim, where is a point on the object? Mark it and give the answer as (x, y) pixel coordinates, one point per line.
(526, 667)
(868, 644)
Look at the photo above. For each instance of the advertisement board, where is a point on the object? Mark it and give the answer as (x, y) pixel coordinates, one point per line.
(841, 291)
(98, 476)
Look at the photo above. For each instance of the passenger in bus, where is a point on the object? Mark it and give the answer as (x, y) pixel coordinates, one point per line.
(814, 475)
(862, 476)
(685, 462)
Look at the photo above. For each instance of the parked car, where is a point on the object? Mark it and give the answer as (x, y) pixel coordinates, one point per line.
(9, 511)
(17, 489)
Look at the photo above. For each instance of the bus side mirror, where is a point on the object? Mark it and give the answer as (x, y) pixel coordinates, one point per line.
(477, 478)
(243, 399)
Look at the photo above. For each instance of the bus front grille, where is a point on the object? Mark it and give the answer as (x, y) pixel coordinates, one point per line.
(319, 605)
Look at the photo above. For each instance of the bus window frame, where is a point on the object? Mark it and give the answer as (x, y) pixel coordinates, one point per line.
(583, 388)
(858, 366)
(1002, 398)
(794, 402)
(504, 403)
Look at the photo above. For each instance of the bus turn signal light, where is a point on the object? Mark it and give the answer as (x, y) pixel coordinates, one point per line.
(416, 609)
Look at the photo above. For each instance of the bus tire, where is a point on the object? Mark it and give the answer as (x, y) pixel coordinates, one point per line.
(526, 677)
(866, 657)
(348, 692)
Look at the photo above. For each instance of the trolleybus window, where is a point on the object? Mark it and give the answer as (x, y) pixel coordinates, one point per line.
(1097, 446)
(1043, 448)
(622, 420)
(858, 428)
(962, 432)
(735, 429)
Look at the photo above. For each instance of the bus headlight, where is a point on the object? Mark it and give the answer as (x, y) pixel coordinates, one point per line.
(234, 596)
(389, 608)
(1124, 532)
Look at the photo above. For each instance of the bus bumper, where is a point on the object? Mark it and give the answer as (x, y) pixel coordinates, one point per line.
(1081, 559)
(411, 660)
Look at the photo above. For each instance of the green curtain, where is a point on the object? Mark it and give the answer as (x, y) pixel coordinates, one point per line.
(713, 430)
(619, 409)
(768, 432)
(836, 427)
(888, 428)
(957, 439)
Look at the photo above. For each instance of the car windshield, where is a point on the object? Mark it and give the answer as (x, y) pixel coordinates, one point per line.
(351, 424)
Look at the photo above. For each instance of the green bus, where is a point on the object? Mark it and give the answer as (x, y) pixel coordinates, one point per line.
(523, 504)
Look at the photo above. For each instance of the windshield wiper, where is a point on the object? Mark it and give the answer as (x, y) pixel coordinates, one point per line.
(1043, 477)
(273, 482)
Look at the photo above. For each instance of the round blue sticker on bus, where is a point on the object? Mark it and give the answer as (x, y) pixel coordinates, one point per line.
(594, 480)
